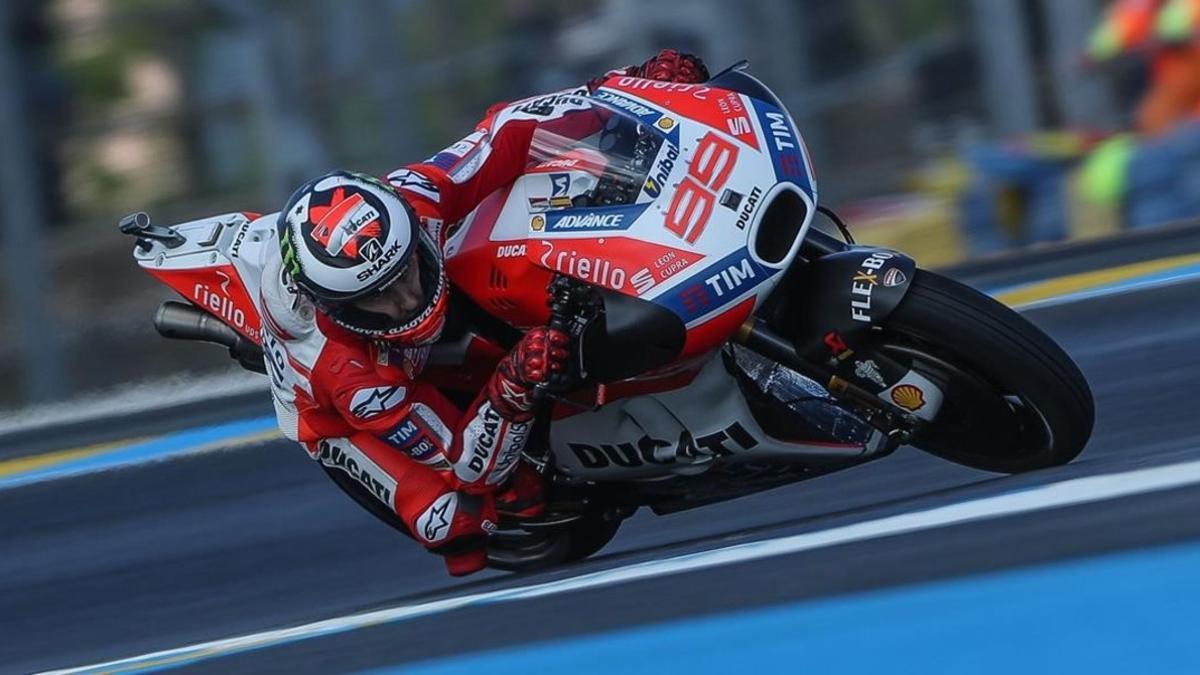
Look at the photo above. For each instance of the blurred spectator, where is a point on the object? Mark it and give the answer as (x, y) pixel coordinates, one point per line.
(1162, 33)
(1019, 192)
(1150, 174)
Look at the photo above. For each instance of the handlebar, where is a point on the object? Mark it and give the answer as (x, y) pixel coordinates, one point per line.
(569, 301)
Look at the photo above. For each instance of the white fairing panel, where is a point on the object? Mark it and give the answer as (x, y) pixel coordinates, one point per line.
(228, 239)
(678, 432)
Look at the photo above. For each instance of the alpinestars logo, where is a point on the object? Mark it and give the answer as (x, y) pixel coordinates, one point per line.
(367, 403)
(407, 179)
(434, 524)
(517, 398)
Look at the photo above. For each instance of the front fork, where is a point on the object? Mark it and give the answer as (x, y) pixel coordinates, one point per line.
(874, 407)
(824, 321)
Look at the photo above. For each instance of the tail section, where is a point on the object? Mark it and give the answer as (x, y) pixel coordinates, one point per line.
(215, 264)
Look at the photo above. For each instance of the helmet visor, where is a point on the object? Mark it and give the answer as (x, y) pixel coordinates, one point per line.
(402, 299)
(405, 304)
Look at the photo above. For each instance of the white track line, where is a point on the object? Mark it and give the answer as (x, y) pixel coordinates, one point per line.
(140, 397)
(1054, 495)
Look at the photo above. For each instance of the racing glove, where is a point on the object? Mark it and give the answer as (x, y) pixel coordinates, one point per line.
(541, 353)
(667, 66)
(673, 66)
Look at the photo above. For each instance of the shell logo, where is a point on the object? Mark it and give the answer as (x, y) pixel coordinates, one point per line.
(908, 397)
(538, 223)
(666, 123)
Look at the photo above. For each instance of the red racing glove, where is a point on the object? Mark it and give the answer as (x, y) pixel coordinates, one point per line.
(668, 66)
(672, 66)
(540, 353)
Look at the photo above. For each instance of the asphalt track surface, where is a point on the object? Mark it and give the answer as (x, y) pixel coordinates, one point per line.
(126, 562)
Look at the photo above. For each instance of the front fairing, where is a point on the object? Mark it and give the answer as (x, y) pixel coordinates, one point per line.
(653, 190)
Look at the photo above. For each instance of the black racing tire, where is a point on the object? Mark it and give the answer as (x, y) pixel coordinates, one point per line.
(581, 540)
(1015, 402)
(589, 536)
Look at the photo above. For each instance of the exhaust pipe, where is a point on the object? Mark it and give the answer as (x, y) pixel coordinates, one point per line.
(183, 321)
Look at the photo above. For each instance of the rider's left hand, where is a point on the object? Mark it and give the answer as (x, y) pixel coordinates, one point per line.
(673, 66)
(541, 354)
(668, 65)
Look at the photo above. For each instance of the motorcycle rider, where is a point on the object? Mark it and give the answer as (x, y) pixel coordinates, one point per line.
(352, 305)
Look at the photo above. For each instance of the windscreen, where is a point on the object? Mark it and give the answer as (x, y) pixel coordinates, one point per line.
(609, 153)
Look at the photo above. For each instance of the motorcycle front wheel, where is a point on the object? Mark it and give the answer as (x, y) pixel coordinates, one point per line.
(1014, 401)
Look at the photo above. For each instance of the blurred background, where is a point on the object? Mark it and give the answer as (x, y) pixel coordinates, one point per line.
(951, 129)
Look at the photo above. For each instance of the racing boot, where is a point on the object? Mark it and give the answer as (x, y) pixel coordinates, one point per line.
(469, 561)
(523, 495)
(464, 543)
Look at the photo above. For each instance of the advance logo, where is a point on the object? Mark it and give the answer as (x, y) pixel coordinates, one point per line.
(609, 219)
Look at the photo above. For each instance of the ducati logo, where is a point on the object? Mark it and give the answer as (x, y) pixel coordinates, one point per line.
(347, 226)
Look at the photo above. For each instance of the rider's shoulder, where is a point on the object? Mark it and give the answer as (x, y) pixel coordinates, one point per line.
(286, 313)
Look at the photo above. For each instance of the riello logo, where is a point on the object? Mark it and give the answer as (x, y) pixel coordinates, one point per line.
(221, 305)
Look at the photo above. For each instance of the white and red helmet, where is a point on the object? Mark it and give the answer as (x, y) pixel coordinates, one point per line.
(345, 236)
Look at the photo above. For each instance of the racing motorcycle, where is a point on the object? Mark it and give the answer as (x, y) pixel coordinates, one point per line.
(729, 335)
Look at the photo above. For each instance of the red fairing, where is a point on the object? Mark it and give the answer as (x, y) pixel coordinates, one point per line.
(496, 275)
(624, 264)
(471, 373)
(219, 291)
(697, 350)
(669, 378)
(715, 331)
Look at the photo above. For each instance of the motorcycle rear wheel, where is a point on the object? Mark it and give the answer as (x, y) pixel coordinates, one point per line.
(581, 540)
(1015, 401)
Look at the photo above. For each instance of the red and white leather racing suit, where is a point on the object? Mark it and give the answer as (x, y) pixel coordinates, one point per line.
(360, 407)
